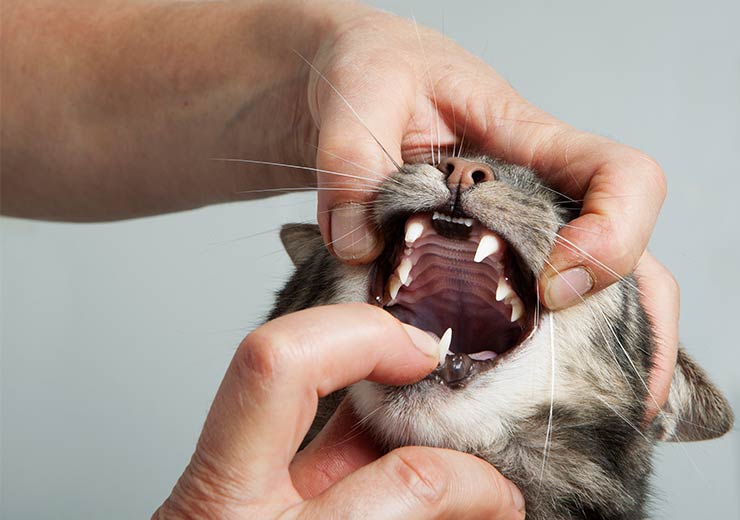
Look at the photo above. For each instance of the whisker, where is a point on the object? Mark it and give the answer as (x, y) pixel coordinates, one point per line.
(434, 96)
(297, 189)
(548, 437)
(357, 165)
(465, 128)
(347, 103)
(295, 166)
(627, 421)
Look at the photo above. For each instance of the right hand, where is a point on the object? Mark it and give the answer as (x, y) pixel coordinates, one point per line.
(242, 463)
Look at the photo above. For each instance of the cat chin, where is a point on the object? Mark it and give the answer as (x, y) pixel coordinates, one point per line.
(482, 414)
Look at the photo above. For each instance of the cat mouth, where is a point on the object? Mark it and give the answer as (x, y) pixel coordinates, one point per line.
(461, 282)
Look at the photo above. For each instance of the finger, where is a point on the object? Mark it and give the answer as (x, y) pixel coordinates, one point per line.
(661, 299)
(622, 189)
(419, 482)
(340, 448)
(269, 394)
(604, 243)
(362, 123)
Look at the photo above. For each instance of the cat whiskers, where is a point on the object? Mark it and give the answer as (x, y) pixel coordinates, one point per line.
(351, 108)
(434, 96)
(306, 168)
(548, 434)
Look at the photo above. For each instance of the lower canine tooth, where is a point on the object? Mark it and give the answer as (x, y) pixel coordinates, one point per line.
(404, 268)
(394, 285)
(487, 246)
(444, 345)
(517, 310)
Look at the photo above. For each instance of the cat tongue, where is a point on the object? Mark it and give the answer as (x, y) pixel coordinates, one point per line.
(459, 283)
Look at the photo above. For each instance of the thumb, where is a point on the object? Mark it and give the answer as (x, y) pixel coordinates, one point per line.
(340, 448)
(419, 483)
(361, 128)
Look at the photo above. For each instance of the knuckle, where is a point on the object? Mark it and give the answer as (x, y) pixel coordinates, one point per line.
(264, 356)
(669, 281)
(418, 472)
(652, 169)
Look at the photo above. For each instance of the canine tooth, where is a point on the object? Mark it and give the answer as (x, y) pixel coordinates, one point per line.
(413, 231)
(517, 310)
(487, 246)
(436, 215)
(468, 222)
(503, 290)
(404, 268)
(394, 285)
(444, 345)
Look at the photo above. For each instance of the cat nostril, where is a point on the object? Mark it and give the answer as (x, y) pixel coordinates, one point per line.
(479, 176)
(463, 174)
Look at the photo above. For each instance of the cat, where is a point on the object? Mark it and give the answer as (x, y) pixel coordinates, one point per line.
(555, 400)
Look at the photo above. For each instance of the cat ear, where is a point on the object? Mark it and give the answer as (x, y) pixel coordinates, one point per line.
(301, 241)
(695, 410)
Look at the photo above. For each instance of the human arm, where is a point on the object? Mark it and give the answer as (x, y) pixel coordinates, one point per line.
(114, 109)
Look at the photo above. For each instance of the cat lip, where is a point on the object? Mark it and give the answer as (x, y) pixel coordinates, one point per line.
(449, 271)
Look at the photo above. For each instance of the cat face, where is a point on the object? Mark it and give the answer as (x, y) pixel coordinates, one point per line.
(555, 400)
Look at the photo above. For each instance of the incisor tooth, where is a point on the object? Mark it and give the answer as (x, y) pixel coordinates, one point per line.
(503, 290)
(413, 231)
(487, 246)
(394, 286)
(444, 345)
(517, 309)
(404, 268)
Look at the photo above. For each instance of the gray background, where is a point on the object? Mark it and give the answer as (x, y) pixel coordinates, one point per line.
(115, 336)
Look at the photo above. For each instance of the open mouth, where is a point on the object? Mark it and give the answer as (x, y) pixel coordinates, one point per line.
(456, 279)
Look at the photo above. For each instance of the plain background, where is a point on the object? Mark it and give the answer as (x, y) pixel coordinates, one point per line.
(115, 336)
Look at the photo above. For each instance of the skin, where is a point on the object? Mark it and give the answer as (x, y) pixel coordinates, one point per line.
(242, 464)
(114, 109)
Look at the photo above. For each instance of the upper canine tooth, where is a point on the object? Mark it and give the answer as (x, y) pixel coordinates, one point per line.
(468, 222)
(487, 246)
(436, 215)
(394, 285)
(413, 231)
(444, 345)
(404, 268)
(503, 290)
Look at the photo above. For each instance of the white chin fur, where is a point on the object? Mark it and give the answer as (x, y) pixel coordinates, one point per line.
(488, 408)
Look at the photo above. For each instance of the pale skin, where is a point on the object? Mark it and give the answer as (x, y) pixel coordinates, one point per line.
(114, 109)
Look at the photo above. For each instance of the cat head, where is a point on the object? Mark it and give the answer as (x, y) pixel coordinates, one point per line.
(554, 398)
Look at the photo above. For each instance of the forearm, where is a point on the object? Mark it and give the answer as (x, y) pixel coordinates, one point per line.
(115, 109)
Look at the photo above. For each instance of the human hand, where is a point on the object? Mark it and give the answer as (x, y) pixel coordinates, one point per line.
(242, 468)
(381, 80)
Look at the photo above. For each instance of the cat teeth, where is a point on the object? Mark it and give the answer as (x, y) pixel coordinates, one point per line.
(503, 290)
(444, 345)
(413, 232)
(488, 245)
(394, 285)
(517, 309)
(404, 269)
(467, 222)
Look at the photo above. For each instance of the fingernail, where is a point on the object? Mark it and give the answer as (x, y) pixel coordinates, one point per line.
(423, 341)
(351, 237)
(566, 288)
(518, 499)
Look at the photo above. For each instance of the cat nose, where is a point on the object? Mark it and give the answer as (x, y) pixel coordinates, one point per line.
(463, 174)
